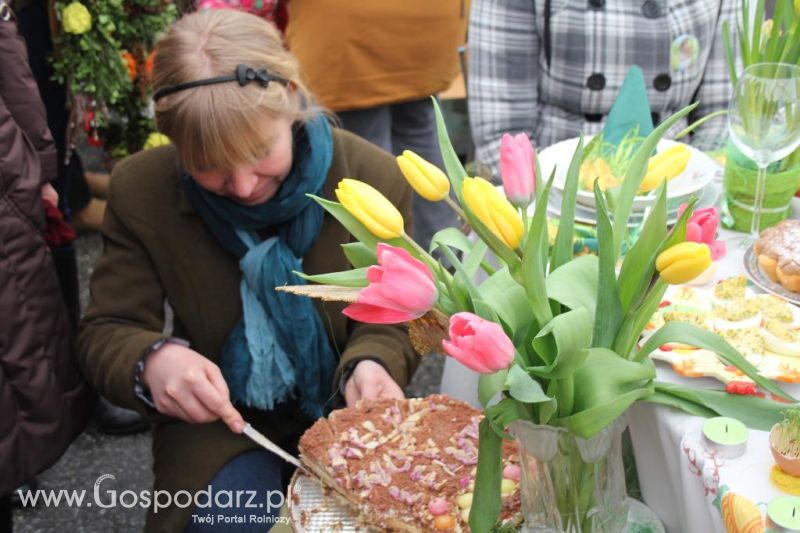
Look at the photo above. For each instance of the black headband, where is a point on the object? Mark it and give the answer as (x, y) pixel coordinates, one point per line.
(243, 75)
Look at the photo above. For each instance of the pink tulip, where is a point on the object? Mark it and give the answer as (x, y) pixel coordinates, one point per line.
(478, 344)
(517, 169)
(702, 228)
(401, 288)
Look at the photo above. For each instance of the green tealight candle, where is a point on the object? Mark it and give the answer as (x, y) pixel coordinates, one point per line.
(784, 512)
(725, 437)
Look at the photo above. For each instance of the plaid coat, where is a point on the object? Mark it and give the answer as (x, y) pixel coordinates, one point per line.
(552, 68)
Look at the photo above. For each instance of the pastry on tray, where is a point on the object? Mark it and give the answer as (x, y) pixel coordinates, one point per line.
(407, 465)
(778, 251)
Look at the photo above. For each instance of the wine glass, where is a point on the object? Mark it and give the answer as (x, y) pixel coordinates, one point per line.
(764, 120)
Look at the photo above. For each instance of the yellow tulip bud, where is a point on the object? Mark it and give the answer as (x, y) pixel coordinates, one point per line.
(424, 177)
(493, 210)
(683, 262)
(665, 167)
(76, 18)
(371, 208)
(156, 139)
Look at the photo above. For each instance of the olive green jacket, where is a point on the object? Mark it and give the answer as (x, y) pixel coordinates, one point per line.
(157, 250)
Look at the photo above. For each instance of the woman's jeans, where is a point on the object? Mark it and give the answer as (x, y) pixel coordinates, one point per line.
(254, 478)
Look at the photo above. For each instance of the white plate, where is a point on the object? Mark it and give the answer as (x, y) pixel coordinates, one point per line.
(708, 197)
(700, 170)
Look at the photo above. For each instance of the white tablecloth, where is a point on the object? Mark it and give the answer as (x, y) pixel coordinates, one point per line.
(669, 460)
(679, 481)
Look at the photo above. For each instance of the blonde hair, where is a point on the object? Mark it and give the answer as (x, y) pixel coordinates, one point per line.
(216, 127)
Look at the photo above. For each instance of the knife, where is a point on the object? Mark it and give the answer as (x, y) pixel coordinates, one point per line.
(264, 442)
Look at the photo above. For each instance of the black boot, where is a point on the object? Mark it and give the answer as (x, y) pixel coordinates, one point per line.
(6, 522)
(113, 420)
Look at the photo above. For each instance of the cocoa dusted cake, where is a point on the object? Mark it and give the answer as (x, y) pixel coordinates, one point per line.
(407, 465)
(778, 251)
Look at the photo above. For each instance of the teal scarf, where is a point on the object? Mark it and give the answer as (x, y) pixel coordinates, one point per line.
(279, 348)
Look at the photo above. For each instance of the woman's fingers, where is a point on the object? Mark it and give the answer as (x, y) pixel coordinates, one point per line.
(218, 404)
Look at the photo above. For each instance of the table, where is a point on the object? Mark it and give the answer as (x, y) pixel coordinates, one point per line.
(669, 460)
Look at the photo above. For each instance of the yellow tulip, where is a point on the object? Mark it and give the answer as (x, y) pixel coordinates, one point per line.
(665, 167)
(371, 208)
(156, 139)
(664, 154)
(76, 18)
(424, 177)
(683, 262)
(493, 210)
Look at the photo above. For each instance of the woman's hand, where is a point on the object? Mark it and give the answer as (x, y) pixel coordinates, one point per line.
(370, 381)
(50, 194)
(186, 385)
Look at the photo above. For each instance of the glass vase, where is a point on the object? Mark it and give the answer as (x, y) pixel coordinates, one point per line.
(783, 181)
(571, 484)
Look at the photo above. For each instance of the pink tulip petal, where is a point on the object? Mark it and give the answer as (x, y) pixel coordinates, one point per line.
(693, 232)
(709, 231)
(374, 273)
(407, 287)
(479, 343)
(465, 358)
(395, 255)
(372, 314)
(373, 295)
(718, 250)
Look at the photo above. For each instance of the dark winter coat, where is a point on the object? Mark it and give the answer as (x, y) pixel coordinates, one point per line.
(44, 402)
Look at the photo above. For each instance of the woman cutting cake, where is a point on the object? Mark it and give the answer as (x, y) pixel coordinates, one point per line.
(211, 225)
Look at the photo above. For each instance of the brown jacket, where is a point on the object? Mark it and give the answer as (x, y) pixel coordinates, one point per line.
(157, 249)
(359, 54)
(44, 402)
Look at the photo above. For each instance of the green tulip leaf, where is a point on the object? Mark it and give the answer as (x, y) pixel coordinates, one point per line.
(562, 249)
(604, 387)
(486, 501)
(455, 170)
(521, 386)
(562, 343)
(639, 264)
(508, 299)
(535, 258)
(490, 385)
(590, 422)
(754, 412)
(694, 336)
(359, 254)
(346, 278)
(608, 313)
(574, 284)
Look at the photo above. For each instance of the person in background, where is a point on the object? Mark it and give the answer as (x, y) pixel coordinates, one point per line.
(552, 68)
(44, 401)
(212, 224)
(272, 10)
(376, 64)
(78, 190)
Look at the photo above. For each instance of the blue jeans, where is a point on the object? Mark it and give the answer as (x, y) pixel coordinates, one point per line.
(406, 126)
(255, 479)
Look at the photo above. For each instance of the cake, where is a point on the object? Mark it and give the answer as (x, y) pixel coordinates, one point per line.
(778, 251)
(406, 465)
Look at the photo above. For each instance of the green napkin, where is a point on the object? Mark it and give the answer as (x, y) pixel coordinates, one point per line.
(630, 109)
